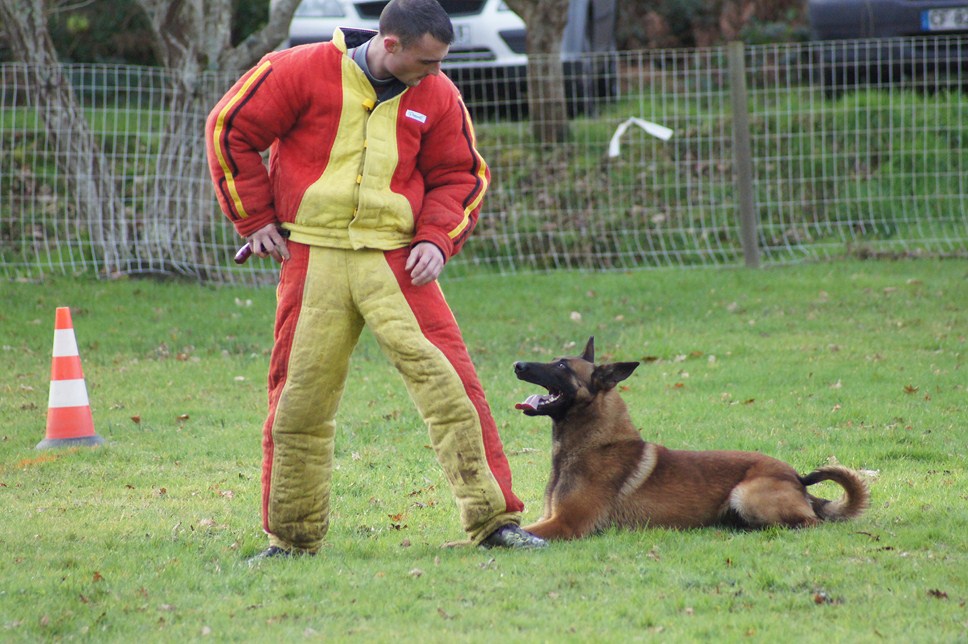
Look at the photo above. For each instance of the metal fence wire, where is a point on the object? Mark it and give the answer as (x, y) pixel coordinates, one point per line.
(765, 154)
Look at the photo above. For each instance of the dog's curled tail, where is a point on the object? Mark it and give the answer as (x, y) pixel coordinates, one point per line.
(853, 503)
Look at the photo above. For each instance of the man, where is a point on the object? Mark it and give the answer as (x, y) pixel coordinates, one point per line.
(375, 178)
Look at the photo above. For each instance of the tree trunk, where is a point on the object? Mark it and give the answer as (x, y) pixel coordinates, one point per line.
(545, 21)
(176, 217)
(190, 38)
(89, 177)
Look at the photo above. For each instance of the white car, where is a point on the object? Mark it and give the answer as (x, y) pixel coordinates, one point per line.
(488, 59)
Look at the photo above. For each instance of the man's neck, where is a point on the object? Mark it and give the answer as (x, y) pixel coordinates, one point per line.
(385, 88)
(374, 59)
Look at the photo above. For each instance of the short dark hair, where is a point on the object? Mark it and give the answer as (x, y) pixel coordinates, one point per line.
(409, 20)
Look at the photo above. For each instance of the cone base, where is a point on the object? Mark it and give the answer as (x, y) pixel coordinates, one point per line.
(83, 441)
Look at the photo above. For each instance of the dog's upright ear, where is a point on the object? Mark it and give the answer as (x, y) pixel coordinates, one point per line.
(589, 354)
(607, 376)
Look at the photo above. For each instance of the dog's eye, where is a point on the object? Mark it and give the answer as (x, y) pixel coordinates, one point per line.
(562, 365)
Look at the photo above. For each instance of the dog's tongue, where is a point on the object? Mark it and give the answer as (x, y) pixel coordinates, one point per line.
(531, 404)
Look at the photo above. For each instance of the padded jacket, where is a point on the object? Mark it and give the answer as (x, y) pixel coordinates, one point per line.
(344, 170)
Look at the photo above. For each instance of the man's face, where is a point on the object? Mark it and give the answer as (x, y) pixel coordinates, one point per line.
(414, 63)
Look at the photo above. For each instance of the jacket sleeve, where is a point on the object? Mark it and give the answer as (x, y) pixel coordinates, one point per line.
(456, 178)
(256, 110)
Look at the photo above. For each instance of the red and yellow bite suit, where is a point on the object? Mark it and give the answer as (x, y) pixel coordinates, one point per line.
(357, 183)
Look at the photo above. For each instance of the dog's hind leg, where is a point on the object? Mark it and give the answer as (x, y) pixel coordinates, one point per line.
(765, 501)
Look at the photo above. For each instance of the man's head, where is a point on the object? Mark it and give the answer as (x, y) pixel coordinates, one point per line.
(408, 20)
(416, 37)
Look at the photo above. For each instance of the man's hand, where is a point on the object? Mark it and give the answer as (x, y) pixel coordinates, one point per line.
(425, 263)
(268, 241)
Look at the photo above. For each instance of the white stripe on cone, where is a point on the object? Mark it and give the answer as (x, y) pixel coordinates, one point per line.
(65, 344)
(68, 393)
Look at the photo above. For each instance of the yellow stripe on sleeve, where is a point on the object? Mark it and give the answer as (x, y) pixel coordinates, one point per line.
(220, 127)
(481, 175)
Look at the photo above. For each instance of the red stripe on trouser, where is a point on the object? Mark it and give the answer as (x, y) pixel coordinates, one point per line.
(324, 297)
(288, 302)
(439, 326)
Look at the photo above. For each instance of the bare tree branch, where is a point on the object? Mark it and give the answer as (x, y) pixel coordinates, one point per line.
(199, 33)
(250, 50)
(192, 40)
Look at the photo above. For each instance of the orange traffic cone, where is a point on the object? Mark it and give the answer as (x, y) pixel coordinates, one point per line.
(69, 420)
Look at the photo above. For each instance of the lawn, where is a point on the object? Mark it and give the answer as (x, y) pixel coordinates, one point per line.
(147, 537)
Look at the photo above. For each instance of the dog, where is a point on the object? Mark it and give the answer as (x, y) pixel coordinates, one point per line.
(604, 474)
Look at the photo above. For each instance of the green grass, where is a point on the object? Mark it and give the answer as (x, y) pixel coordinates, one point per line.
(147, 537)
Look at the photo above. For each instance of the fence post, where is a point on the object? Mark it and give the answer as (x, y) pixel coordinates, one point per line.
(742, 153)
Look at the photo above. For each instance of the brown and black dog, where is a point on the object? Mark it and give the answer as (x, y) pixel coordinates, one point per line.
(603, 474)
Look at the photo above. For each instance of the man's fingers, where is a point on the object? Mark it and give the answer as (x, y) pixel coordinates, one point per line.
(421, 276)
(424, 263)
(417, 269)
(280, 250)
(426, 270)
(270, 242)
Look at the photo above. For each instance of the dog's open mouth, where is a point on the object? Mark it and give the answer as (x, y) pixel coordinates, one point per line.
(535, 402)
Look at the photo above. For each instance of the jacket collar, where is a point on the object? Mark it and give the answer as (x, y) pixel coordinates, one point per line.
(346, 38)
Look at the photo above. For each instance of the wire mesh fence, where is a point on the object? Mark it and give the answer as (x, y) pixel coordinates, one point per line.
(853, 147)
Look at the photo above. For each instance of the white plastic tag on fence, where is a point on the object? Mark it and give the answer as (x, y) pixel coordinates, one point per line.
(656, 130)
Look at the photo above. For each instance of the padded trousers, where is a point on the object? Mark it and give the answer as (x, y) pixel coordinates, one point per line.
(324, 298)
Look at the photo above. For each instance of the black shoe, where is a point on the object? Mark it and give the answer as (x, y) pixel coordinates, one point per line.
(276, 551)
(512, 536)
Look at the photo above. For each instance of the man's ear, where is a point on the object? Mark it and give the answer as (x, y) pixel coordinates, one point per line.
(391, 44)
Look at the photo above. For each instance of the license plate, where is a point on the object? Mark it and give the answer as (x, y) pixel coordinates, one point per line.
(954, 19)
(462, 36)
